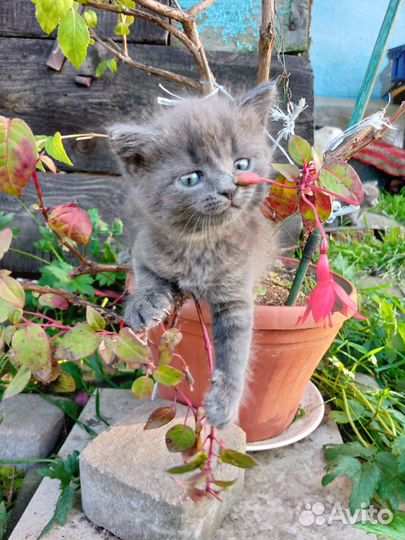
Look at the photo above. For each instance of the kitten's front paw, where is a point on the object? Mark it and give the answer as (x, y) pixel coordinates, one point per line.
(222, 402)
(148, 310)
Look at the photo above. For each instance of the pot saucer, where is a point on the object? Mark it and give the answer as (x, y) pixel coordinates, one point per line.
(313, 408)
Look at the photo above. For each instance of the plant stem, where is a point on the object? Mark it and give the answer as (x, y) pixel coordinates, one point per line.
(30, 255)
(309, 249)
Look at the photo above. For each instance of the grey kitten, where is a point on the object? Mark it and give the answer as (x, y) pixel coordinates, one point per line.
(371, 197)
(195, 230)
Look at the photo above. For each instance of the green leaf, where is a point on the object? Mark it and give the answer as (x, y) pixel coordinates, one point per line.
(90, 17)
(299, 149)
(77, 344)
(399, 450)
(74, 37)
(180, 438)
(54, 147)
(64, 384)
(50, 12)
(389, 531)
(6, 237)
(237, 459)
(342, 180)
(197, 463)
(142, 387)
(11, 290)
(110, 65)
(160, 417)
(354, 449)
(287, 170)
(364, 486)
(392, 485)
(18, 383)
(94, 319)
(128, 347)
(3, 518)
(343, 466)
(224, 484)
(63, 506)
(30, 348)
(67, 472)
(168, 376)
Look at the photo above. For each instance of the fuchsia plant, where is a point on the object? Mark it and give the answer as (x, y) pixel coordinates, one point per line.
(310, 191)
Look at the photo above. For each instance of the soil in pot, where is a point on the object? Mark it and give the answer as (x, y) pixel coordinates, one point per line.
(284, 355)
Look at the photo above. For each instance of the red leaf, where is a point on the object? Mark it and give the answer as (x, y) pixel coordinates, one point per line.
(340, 179)
(6, 237)
(283, 202)
(71, 221)
(323, 205)
(18, 155)
(54, 301)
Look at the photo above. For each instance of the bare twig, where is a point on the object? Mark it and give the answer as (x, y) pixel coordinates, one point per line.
(109, 315)
(174, 30)
(91, 268)
(199, 8)
(169, 75)
(266, 41)
(361, 139)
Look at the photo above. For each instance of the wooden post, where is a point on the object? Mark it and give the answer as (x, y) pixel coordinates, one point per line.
(266, 41)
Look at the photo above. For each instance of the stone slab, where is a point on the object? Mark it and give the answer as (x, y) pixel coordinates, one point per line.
(30, 428)
(272, 502)
(124, 468)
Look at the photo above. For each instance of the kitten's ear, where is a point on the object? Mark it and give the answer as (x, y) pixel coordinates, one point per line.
(134, 144)
(261, 99)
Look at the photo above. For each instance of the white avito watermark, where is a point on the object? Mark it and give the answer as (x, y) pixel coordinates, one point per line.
(316, 514)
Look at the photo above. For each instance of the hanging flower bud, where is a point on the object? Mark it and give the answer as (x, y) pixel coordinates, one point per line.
(71, 221)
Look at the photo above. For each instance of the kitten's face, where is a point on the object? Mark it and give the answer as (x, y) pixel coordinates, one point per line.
(184, 164)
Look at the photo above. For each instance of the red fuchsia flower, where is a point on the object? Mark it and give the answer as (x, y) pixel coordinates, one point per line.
(71, 221)
(328, 296)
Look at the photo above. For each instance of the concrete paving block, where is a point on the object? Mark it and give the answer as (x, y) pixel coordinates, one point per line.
(30, 427)
(126, 490)
(271, 507)
(283, 496)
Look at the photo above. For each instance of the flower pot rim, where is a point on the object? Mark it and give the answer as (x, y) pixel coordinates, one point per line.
(279, 317)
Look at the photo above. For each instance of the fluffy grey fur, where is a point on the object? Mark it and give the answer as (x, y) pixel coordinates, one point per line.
(210, 240)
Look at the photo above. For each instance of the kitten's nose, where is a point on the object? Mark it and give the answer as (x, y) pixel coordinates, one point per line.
(228, 192)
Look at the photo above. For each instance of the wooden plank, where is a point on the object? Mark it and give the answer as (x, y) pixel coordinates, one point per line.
(51, 101)
(17, 19)
(108, 193)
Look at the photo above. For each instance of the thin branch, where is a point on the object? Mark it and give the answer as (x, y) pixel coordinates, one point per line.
(147, 17)
(109, 315)
(206, 76)
(166, 11)
(202, 6)
(92, 268)
(169, 75)
(266, 41)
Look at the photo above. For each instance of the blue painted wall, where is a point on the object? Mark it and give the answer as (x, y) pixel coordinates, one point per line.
(343, 34)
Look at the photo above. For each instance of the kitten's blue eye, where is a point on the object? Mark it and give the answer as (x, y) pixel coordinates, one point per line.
(242, 164)
(191, 179)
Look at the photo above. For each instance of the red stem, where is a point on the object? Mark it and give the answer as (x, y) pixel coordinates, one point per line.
(207, 341)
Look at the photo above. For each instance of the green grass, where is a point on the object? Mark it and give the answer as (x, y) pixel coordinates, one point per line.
(392, 205)
(371, 420)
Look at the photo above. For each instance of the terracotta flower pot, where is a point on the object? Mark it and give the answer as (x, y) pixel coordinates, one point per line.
(284, 357)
